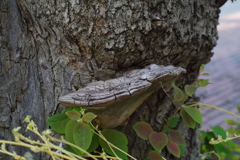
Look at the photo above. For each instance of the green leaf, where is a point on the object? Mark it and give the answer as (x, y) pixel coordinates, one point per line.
(82, 135)
(220, 148)
(177, 103)
(236, 157)
(181, 149)
(158, 140)
(208, 134)
(194, 113)
(230, 122)
(179, 95)
(231, 145)
(173, 148)
(116, 138)
(238, 108)
(177, 137)
(142, 129)
(58, 122)
(173, 121)
(203, 82)
(167, 129)
(73, 115)
(189, 89)
(187, 119)
(94, 145)
(88, 117)
(81, 110)
(154, 155)
(231, 131)
(219, 131)
(68, 109)
(237, 131)
(210, 156)
(69, 134)
(205, 74)
(70, 149)
(201, 68)
(237, 148)
(28, 156)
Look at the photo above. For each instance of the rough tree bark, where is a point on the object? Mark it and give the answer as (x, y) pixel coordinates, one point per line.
(50, 48)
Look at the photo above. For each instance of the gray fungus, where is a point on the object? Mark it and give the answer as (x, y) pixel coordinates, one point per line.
(116, 99)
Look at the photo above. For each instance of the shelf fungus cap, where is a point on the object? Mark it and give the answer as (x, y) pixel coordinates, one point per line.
(114, 100)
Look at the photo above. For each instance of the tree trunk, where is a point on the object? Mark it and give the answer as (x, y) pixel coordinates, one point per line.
(51, 48)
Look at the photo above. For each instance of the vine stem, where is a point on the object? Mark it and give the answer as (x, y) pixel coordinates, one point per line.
(73, 145)
(210, 106)
(36, 147)
(165, 126)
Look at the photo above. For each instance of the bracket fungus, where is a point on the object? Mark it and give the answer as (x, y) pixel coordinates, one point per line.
(114, 100)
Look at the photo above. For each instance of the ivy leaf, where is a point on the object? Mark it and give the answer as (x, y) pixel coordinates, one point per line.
(205, 74)
(177, 103)
(201, 68)
(82, 135)
(231, 131)
(69, 134)
(142, 129)
(70, 149)
(167, 129)
(154, 155)
(189, 89)
(73, 115)
(187, 119)
(211, 155)
(68, 109)
(173, 148)
(203, 82)
(28, 156)
(88, 117)
(208, 134)
(238, 108)
(179, 95)
(181, 149)
(220, 148)
(219, 131)
(116, 138)
(58, 122)
(177, 137)
(94, 145)
(69, 130)
(158, 140)
(173, 121)
(230, 122)
(194, 113)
